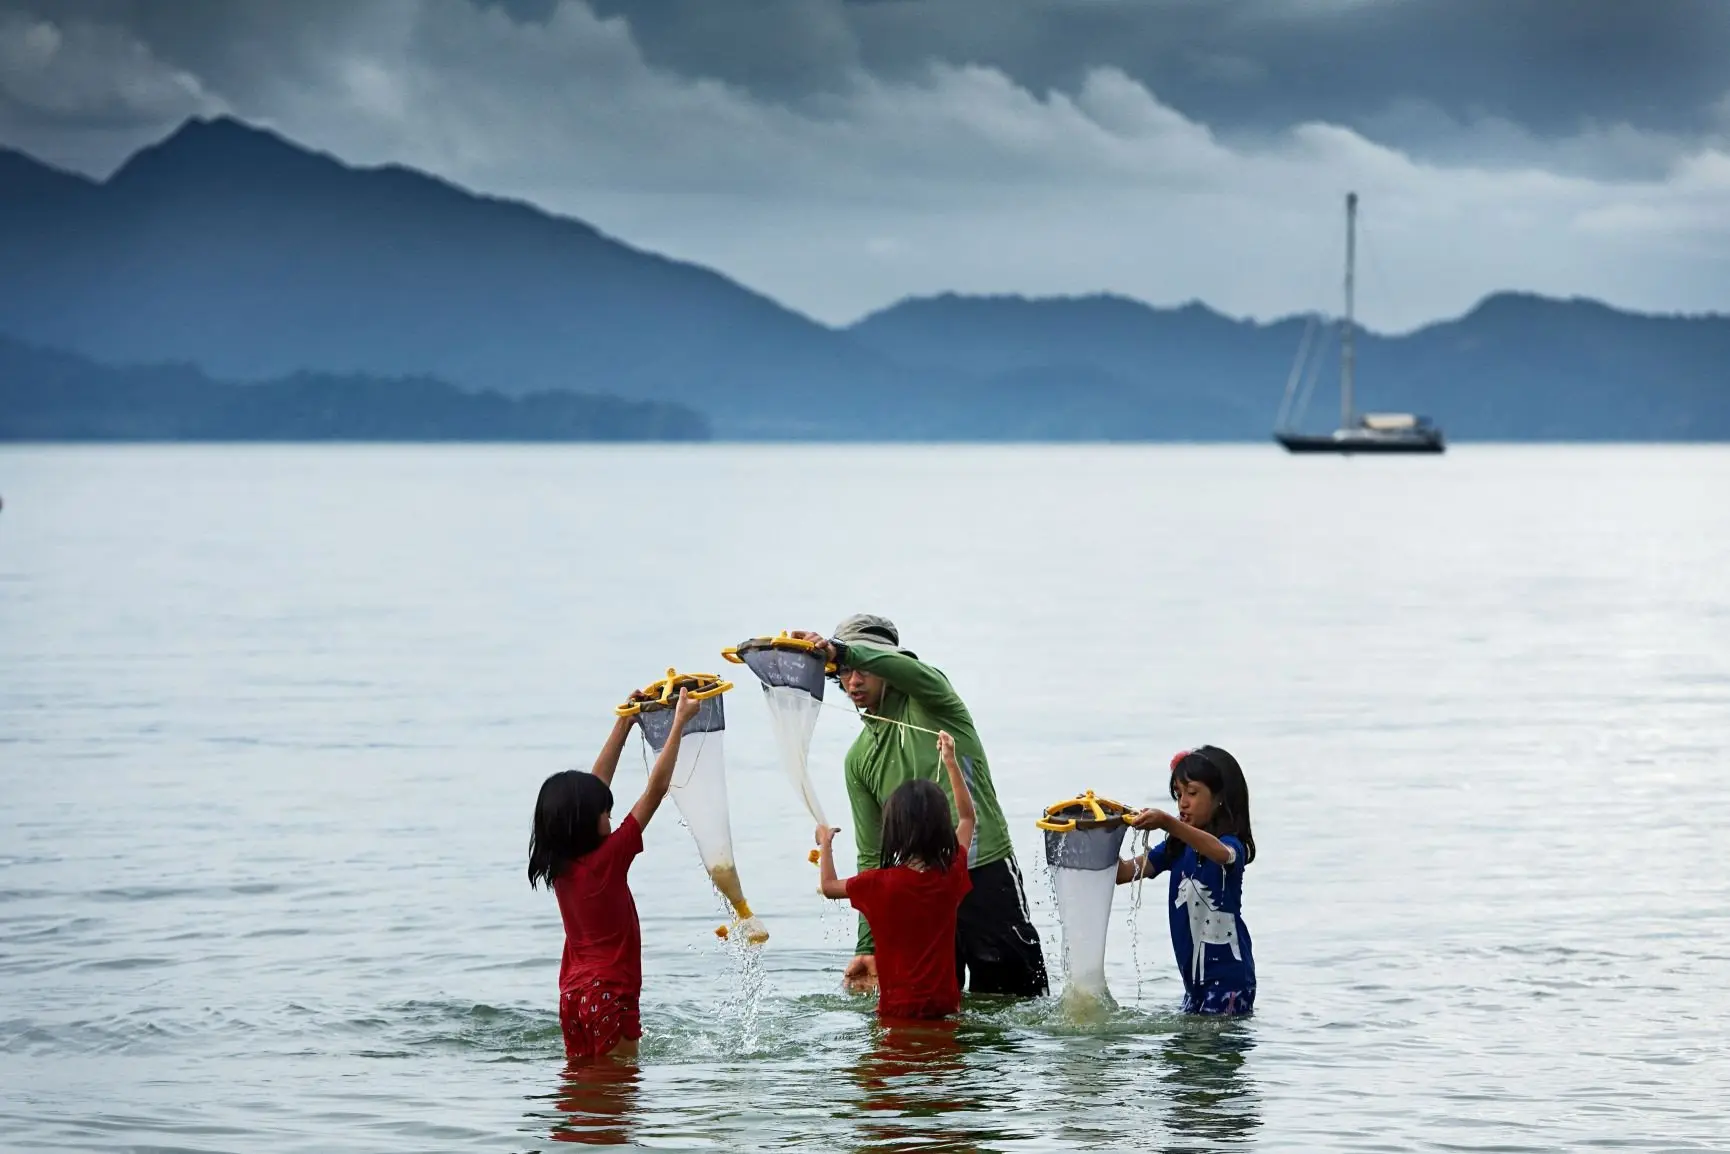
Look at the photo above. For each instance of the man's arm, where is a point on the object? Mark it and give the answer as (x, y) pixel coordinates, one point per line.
(908, 674)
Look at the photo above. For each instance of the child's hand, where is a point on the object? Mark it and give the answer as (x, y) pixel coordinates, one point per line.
(1151, 819)
(687, 708)
(946, 748)
(825, 836)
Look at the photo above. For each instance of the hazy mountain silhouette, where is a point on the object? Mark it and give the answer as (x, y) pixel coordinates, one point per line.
(229, 248)
(54, 396)
(226, 246)
(1516, 367)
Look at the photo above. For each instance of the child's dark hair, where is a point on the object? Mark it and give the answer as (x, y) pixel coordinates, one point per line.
(1213, 767)
(567, 822)
(917, 827)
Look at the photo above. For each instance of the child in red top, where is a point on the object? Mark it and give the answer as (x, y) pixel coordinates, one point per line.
(910, 902)
(583, 860)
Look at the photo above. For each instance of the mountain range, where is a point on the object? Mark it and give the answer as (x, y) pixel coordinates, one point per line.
(229, 249)
(47, 395)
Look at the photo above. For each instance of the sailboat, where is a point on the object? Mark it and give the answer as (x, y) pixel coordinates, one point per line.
(1358, 432)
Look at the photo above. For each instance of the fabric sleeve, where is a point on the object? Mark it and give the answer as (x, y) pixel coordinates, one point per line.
(1236, 864)
(910, 675)
(960, 880)
(862, 892)
(1159, 859)
(623, 845)
(867, 835)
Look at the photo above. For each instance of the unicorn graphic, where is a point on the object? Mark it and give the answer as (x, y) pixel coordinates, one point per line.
(1208, 925)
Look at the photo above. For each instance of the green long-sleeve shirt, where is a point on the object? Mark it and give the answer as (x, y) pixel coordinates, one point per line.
(885, 755)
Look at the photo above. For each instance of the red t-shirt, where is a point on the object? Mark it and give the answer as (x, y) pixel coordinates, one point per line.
(912, 916)
(602, 939)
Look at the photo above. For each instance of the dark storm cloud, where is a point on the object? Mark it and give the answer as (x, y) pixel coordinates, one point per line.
(1415, 71)
(1485, 81)
(839, 155)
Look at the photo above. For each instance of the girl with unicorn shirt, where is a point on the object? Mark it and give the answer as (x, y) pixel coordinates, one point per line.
(1206, 848)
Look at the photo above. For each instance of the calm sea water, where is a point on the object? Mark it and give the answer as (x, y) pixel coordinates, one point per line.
(272, 721)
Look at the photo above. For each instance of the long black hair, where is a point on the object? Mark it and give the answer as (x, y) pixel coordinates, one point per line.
(917, 827)
(567, 822)
(1219, 771)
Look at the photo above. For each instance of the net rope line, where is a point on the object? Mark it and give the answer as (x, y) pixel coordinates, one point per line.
(860, 713)
(643, 744)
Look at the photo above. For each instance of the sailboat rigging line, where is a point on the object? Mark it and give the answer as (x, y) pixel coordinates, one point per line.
(1317, 355)
(1296, 372)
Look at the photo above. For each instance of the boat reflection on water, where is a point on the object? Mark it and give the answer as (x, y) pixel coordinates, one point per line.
(596, 1103)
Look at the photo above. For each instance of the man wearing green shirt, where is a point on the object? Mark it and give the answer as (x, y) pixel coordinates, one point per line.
(996, 947)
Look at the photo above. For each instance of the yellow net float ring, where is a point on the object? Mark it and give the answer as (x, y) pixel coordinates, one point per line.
(782, 642)
(1083, 812)
(664, 694)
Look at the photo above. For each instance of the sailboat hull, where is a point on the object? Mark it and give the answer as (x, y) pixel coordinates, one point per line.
(1347, 443)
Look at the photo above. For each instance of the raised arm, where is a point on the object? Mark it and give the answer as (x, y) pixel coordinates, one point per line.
(1199, 840)
(661, 774)
(607, 761)
(829, 885)
(964, 816)
(908, 674)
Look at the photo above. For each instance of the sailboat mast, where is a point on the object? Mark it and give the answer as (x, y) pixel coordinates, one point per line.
(1346, 352)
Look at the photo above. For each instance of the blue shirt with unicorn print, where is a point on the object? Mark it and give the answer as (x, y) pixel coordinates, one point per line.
(1208, 936)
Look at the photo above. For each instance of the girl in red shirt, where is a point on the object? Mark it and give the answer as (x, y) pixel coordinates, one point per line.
(910, 902)
(583, 859)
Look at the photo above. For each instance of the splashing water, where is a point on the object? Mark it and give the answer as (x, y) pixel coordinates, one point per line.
(836, 923)
(1139, 840)
(742, 1009)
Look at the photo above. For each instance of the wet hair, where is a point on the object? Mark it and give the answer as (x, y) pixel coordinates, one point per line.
(1219, 771)
(567, 823)
(917, 827)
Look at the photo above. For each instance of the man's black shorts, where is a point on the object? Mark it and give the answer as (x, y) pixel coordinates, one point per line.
(996, 947)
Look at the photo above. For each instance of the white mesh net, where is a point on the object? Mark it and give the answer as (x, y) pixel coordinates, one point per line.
(793, 717)
(699, 790)
(1084, 908)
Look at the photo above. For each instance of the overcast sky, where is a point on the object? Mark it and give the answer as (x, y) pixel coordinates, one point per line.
(839, 156)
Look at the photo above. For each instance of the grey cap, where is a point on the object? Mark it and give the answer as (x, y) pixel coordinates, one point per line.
(871, 629)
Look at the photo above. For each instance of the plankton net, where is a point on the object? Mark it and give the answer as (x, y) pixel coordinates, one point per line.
(792, 672)
(699, 785)
(1082, 838)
